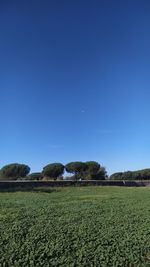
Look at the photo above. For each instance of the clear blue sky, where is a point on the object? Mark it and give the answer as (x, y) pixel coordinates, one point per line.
(75, 82)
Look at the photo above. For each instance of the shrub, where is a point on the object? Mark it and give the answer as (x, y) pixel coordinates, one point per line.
(116, 176)
(35, 176)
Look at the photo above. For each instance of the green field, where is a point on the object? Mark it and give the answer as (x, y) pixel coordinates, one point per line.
(80, 226)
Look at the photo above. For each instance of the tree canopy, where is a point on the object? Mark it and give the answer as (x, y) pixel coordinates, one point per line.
(14, 171)
(77, 168)
(95, 171)
(53, 170)
(132, 175)
(86, 170)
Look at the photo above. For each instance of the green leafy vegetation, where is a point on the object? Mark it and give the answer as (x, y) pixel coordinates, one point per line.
(80, 226)
(77, 168)
(132, 175)
(14, 171)
(53, 170)
(95, 171)
(35, 176)
(90, 170)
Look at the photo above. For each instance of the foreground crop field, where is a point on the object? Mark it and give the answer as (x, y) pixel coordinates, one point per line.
(84, 226)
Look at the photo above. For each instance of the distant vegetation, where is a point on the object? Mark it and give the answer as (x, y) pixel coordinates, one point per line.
(90, 170)
(131, 175)
(35, 176)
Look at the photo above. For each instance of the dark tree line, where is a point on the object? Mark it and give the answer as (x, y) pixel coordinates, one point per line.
(131, 175)
(90, 170)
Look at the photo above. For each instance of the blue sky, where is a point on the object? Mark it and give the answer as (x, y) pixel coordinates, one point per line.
(75, 82)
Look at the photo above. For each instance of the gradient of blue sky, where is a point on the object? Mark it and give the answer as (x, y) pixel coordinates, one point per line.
(75, 82)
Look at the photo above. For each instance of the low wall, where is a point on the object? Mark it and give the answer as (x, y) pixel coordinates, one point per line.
(14, 184)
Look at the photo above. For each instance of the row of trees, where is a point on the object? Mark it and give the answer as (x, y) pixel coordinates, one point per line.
(89, 170)
(131, 175)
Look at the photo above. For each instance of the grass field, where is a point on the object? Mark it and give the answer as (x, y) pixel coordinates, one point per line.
(80, 226)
